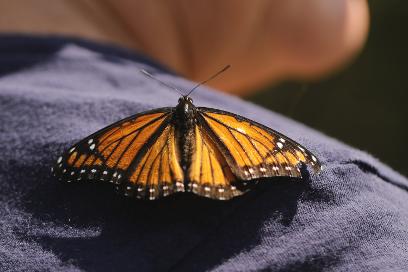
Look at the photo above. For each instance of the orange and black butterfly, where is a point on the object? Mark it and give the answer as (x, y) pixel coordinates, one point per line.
(206, 151)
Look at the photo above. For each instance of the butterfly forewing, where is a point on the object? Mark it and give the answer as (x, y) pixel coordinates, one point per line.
(117, 152)
(253, 150)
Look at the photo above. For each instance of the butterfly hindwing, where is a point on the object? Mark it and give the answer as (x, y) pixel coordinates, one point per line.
(253, 150)
(138, 154)
(209, 173)
(158, 172)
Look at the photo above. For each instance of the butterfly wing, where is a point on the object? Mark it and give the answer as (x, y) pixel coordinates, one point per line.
(253, 150)
(139, 154)
(209, 173)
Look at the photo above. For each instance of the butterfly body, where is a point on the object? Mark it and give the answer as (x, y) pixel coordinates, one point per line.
(184, 120)
(206, 151)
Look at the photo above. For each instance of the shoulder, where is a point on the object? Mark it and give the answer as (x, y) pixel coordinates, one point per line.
(351, 214)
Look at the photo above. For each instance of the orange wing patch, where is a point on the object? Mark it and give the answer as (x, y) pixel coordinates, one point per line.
(209, 173)
(117, 147)
(120, 145)
(159, 173)
(253, 152)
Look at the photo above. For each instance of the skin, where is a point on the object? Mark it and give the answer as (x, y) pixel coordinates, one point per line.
(265, 41)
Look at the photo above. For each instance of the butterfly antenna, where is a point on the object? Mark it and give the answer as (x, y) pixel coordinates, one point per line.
(212, 77)
(146, 73)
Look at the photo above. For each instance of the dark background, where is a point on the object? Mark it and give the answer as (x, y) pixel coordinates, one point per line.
(365, 105)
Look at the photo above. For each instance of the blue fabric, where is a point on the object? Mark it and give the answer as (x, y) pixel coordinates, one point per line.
(352, 216)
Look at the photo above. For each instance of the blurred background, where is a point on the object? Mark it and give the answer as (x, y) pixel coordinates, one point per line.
(364, 105)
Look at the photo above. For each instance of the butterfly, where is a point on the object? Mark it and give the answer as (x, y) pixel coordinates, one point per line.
(209, 152)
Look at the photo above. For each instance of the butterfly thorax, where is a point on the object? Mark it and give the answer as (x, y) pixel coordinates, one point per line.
(185, 120)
